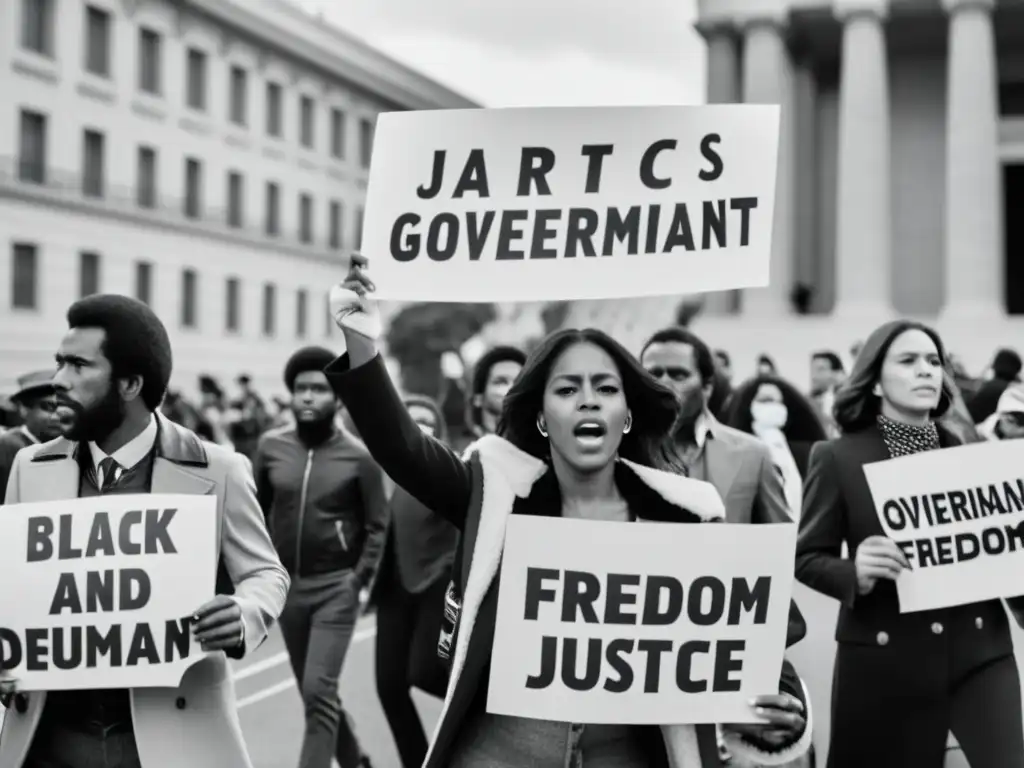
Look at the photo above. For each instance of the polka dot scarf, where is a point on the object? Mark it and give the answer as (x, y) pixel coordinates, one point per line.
(906, 439)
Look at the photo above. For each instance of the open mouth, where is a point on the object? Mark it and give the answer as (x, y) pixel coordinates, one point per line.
(590, 433)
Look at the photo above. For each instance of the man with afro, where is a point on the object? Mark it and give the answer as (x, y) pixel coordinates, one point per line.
(325, 503)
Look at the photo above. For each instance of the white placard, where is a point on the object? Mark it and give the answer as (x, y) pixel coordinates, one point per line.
(98, 592)
(958, 516)
(686, 625)
(570, 203)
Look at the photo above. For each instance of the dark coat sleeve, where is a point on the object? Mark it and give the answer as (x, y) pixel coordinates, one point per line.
(823, 524)
(261, 474)
(375, 506)
(426, 468)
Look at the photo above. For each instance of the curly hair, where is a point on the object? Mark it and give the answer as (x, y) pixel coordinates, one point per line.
(856, 406)
(803, 423)
(653, 406)
(135, 341)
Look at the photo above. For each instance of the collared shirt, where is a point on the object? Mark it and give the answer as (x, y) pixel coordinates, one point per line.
(694, 456)
(25, 431)
(128, 455)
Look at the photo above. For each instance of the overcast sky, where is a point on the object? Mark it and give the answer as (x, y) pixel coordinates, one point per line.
(507, 53)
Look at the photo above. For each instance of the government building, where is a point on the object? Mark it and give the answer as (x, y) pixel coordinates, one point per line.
(209, 157)
(901, 175)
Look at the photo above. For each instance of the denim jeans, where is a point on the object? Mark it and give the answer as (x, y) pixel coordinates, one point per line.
(61, 747)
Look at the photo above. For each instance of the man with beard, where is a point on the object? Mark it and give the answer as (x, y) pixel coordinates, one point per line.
(326, 508)
(493, 376)
(113, 366)
(737, 464)
(36, 402)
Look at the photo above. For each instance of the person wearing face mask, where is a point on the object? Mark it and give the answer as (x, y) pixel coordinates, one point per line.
(907, 679)
(581, 435)
(409, 594)
(775, 412)
(1007, 423)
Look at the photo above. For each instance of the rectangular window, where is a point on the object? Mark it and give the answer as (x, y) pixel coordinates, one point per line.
(92, 163)
(274, 107)
(189, 291)
(146, 178)
(269, 309)
(150, 62)
(334, 233)
(306, 121)
(301, 300)
(272, 217)
(236, 201)
(305, 218)
(239, 95)
(97, 41)
(337, 134)
(88, 273)
(32, 147)
(365, 142)
(144, 282)
(193, 187)
(25, 276)
(37, 26)
(232, 302)
(195, 79)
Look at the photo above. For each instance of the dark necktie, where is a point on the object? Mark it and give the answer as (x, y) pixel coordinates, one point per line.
(108, 468)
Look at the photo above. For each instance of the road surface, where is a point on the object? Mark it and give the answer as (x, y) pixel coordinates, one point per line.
(271, 710)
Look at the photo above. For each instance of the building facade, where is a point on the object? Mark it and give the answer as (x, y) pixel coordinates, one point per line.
(207, 156)
(901, 174)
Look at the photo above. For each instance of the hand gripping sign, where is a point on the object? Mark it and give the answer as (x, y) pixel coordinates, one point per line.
(570, 203)
(958, 516)
(659, 623)
(98, 592)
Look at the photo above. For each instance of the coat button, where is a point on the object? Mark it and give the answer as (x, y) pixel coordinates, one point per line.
(937, 628)
(180, 702)
(883, 638)
(979, 622)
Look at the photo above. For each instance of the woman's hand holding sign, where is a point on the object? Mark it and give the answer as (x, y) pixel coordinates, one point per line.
(783, 720)
(878, 557)
(355, 313)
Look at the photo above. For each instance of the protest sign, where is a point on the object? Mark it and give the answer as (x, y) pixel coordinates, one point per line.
(99, 592)
(570, 203)
(958, 516)
(653, 623)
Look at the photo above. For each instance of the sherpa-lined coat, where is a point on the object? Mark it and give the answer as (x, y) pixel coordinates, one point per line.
(477, 495)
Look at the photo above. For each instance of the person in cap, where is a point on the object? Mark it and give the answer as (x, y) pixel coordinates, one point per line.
(36, 401)
(324, 499)
(1007, 423)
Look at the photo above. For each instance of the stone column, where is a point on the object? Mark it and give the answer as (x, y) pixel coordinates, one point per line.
(767, 79)
(723, 87)
(864, 182)
(974, 205)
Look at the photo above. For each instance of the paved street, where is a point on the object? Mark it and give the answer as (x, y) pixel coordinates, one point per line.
(271, 711)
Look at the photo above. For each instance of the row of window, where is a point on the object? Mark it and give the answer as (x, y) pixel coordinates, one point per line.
(38, 33)
(32, 167)
(26, 268)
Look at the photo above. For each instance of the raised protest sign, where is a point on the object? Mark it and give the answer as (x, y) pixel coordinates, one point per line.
(99, 592)
(570, 203)
(653, 623)
(958, 516)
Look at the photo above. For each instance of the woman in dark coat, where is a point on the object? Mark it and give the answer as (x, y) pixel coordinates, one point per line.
(543, 464)
(902, 682)
(409, 595)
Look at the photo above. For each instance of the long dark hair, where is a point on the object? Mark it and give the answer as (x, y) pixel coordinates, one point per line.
(652, 405)
(856, 406)
(802, 424)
